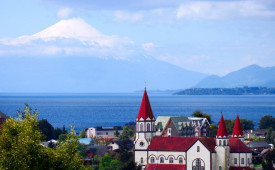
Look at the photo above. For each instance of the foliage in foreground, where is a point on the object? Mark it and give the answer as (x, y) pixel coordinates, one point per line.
(20, 147)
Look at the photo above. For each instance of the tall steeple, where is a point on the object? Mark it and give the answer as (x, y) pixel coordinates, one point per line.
(145, 110)
(222, 132)
(238, 131)
(145, 130)
(222, 146)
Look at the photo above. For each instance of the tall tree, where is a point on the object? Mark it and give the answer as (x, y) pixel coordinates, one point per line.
(266, 122)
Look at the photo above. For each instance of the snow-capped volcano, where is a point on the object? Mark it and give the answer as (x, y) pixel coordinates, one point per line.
(76, 29)
(71, 28)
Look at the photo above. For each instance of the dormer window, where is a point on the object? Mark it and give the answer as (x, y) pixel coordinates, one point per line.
(198, 149)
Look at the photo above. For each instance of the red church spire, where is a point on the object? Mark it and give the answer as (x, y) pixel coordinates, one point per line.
(222, 132)
(237, 131)
(145, 110)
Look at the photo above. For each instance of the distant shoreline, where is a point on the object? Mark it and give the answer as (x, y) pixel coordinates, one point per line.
(228, 91)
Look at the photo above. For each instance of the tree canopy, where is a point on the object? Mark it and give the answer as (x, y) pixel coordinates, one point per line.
(266, 122)
(20, 146)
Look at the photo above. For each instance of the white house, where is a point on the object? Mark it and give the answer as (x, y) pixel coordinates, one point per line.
(188, 153)
(103, 131)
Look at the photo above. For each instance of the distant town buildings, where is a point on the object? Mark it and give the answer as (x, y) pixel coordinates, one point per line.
(180, 143)
(103, 131)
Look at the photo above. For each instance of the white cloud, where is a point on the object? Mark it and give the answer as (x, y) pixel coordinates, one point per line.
(64, 13)
(226, 9)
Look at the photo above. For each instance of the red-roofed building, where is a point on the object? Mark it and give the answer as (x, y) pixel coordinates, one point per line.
(186, 153)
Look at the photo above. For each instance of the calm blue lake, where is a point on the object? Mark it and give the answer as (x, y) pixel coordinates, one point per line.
(90, 110)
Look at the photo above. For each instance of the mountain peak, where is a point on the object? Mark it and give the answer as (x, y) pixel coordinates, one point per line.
(69, 28)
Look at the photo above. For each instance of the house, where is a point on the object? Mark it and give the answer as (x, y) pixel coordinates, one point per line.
(181, 126)
(258, 146)
(100, 131)
(3, 117)
(188, 153)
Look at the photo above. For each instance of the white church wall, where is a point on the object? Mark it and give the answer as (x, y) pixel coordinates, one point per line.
(222, 157)
(176, 155)
(203, 154)
(141, 157)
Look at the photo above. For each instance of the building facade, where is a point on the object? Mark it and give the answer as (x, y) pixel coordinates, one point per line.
(188, 153)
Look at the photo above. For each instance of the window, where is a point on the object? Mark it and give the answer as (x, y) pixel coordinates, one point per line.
(220, 142)
(224, 143)
(198, 149)
(248, 160)
(180, 161)
(198, 164)
(171, 160)
(161, 160)
(235, 161)
(169, 131)
(152, 160)
(148, 127)
(106, 133)
(242, 161)
(220, 168)
(141, 127)
(141, 160)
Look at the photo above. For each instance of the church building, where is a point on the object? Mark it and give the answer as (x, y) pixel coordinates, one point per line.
(188, 153)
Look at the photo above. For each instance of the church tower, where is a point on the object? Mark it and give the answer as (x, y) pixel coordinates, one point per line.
(238, 131)
(145, 130)
(222, 147)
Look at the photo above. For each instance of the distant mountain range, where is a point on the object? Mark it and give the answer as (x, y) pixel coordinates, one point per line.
(91, 75)
(251, 76)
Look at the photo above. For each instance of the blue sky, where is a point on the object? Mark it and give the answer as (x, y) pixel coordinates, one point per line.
(212, 37)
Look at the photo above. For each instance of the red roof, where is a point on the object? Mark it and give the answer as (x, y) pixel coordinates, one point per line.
(145, 110)
(240, 168)
(237, 131)
(222, 132)
(237, 146)
(165, 167)
(180, 143)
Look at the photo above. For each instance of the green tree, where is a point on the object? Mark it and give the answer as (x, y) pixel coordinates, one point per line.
(198, 113)
(116, 132)
(46, 129)
(266, 122)
(20, 147)
(126, 133)
(268, 137)
(82, 134)
(269, 161)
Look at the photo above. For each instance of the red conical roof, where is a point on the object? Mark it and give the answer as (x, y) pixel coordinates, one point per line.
(237, 131)
(145, 110)
(222, 132)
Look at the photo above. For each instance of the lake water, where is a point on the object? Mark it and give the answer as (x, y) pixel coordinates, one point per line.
(90, 110)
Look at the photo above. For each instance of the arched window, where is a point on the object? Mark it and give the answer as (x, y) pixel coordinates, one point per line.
(141, 127)
(224, 143)
(220, 142)
(180, 161)
(198, 164)
(141, 160)
(198, 149)
(152, 160)
(248, 160)
(161, 160)
(171, 160)
(148, 126)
